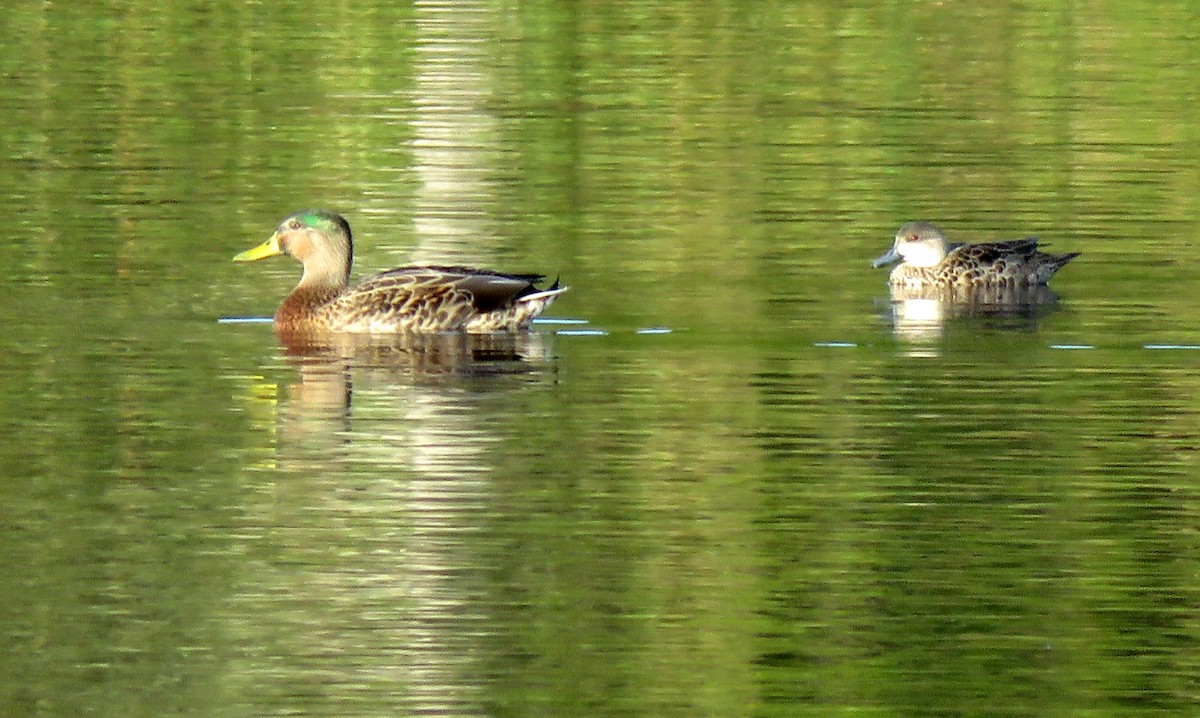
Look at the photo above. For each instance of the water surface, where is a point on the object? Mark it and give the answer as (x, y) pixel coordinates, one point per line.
(798, 499)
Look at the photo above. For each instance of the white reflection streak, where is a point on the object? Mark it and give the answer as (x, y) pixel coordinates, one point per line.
(444, 496)
(455, 135)
(919, 322)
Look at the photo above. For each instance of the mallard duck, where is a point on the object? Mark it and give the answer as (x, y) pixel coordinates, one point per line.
(930, 263)
(409, 299)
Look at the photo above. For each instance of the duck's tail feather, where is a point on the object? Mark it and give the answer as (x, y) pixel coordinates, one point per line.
(1053, 263)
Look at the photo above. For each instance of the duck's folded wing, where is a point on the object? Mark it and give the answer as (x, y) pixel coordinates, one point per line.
(991, 252)
(483, 289)
(493, 290)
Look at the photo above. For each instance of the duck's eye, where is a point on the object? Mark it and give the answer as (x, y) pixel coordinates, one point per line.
(912, 237)
(294, 224)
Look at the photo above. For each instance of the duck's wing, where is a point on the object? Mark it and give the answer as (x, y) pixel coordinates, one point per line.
(429, 298)
(988, 253)
(490, 290)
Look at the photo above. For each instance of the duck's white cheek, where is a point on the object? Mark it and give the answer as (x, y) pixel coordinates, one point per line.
(922, 255)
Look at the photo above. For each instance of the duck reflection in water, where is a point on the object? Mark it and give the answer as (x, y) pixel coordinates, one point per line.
(935, 280)
(420, 355)
(312, 416)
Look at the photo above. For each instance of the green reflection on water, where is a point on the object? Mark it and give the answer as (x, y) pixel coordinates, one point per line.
(733, 518)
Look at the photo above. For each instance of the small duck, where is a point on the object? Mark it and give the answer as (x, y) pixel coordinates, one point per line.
(420, 299)
(929, 263)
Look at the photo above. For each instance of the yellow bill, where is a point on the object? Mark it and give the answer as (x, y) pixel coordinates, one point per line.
(269, 248)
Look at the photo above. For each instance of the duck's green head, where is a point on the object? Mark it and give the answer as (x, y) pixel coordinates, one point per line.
(318, 238)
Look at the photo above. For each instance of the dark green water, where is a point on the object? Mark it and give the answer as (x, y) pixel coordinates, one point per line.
(798, 501)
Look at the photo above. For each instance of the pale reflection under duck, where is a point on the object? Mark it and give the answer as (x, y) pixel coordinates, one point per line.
(921, 316)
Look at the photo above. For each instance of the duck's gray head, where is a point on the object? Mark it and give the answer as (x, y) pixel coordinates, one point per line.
(920, 244)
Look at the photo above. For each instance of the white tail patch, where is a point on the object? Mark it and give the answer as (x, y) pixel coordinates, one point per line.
(544, 295)
(518, 315)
